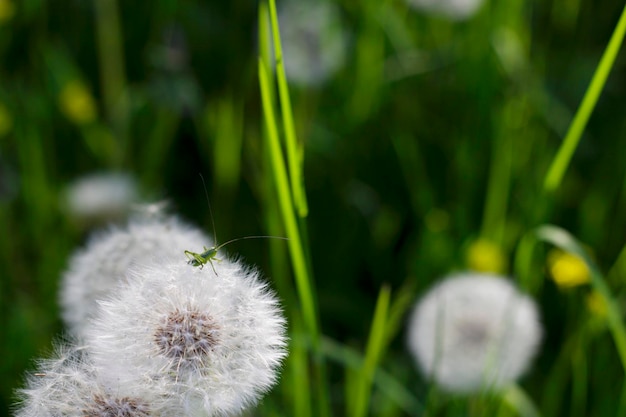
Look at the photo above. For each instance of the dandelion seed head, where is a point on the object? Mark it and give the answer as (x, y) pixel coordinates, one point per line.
(68, 385)
(216, 341)
(451, 9)
(474, 331)
(102, 406)
(101, 197)
(313, 40)
(97, 269)
(186, 335)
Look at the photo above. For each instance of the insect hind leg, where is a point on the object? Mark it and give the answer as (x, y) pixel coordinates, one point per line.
(195, 259)
(213, 267)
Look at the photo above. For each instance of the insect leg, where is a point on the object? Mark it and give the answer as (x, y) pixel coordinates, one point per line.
(212, 267)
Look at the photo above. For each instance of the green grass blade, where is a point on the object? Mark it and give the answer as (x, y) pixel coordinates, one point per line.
(289, 206)
(226, 122)
(564, 155)
(111, 61)
(386, 383)
(562, 239)
(265, 40)
(303, 280)
(523, 264)
(580, 381)
(373, 353)
(499, 183)
(518, 400)
(293, 149)
(300, 374)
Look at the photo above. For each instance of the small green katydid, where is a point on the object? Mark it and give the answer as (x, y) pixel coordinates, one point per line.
(210, 254)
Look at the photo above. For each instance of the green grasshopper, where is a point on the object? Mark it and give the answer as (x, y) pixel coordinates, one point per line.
(210, 254)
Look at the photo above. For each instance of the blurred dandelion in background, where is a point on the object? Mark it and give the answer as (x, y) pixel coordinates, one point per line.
(101, 197)
(216, 342)
(567, 270)
(172, 83)
(97, 269)
(474, 331)
(451, 9)
(314, 41)
(76, 103)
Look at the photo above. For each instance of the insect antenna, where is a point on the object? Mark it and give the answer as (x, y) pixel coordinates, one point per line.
(218, 247)
(206, 194)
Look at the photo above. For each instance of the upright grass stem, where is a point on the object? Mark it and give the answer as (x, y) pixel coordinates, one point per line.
(294, 153)
(111, 57)
(296, 246)
(518, 400)
(298, 361)
(303, 281)
(373, 354)
(564, 155)
(494, 216)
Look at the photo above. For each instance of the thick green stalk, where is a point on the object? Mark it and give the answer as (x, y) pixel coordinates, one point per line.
(373, 354)
(303, 280)
(294, 159)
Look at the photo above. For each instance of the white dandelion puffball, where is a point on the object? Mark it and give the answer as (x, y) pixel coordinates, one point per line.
(68, 385)
(451, 9)
(474, 331)
(96, 270)
(314, 44)
(101, 197)
(213, 341)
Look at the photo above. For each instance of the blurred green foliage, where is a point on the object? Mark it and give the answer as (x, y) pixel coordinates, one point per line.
(434, 135)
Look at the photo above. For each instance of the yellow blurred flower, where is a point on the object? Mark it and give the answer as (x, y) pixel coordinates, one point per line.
(596, 304)
(485, 256)
(7, 10)
(567, 269)
(77, 103)
(6, 120)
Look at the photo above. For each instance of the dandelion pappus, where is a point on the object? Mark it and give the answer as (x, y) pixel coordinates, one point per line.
(210, 254)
